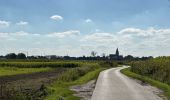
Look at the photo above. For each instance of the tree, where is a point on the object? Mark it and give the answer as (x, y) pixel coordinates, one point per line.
(103, 55)
(21, 56)
(129, 57)
(93, 54)
(11, 56)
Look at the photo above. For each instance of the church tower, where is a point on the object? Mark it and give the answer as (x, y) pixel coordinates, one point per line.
(117, 52)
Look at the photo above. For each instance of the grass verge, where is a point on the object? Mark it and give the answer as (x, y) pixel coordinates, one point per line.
(60, 89)
(160, 85)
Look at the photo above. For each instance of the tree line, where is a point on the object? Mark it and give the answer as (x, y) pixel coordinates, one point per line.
(15, 56)
(93, 56)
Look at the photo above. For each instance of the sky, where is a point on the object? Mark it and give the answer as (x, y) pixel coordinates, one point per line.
(77, 27)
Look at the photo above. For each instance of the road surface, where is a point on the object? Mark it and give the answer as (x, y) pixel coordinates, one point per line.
(113, 85)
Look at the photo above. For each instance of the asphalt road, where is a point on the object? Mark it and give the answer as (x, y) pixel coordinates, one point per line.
(113, 85)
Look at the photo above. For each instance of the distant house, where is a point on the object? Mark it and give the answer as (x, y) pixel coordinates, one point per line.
(116, 56)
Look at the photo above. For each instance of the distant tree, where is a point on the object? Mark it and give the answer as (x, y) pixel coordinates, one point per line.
(32, 57)
(11, 56)
(103, 55)
(150, 57)
(53, 57)
(1, 56)
(21, 56)
(93, 54)
(129, 57)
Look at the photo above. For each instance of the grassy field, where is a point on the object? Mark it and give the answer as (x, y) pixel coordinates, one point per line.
(6, 71)
(163, 86)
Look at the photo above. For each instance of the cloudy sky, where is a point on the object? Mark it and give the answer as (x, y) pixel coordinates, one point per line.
(76, 27)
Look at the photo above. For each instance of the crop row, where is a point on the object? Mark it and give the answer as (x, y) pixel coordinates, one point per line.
(40, 64)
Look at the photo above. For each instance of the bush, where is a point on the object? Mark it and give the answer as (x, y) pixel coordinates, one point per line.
(108, 64)
(75, 73)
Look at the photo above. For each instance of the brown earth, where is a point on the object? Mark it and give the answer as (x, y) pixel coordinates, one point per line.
(29, 82)
(39, 77)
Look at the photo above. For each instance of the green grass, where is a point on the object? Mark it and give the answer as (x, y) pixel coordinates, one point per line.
(61, 90)
(160, 85)
(6, 71)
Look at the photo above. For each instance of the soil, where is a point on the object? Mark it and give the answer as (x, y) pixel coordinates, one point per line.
(29, 82)
(84, 91)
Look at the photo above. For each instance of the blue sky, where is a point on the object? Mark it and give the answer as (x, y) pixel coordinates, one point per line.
(76, 27)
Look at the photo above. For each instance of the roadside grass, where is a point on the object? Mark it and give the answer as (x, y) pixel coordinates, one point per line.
(60, 89)
(6, 71)
(158, 84)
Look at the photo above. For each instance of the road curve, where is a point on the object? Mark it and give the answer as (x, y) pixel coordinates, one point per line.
(113, 85)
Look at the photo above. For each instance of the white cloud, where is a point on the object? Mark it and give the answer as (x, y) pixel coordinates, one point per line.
(22, 23)
(56, 17)
(4, 35)
(4, 24)
(150, 32)
(99, 37)
(88, 21)
(130, 31)
(20, 33)
(135, 41)
(15, 35)
(64, 34)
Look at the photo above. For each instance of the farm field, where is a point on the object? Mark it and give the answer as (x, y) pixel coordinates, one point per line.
(6, 71)
(30, 80)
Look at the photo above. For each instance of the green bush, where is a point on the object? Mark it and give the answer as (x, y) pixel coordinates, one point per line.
(75, 73)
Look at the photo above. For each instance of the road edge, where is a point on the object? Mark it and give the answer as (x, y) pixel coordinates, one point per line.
(160, 85)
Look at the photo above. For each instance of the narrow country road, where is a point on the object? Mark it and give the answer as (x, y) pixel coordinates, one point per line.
(113, 85)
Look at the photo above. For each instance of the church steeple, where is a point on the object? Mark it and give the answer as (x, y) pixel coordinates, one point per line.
(117, 52)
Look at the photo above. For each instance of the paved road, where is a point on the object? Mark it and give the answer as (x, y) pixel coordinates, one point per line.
(112, 85)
